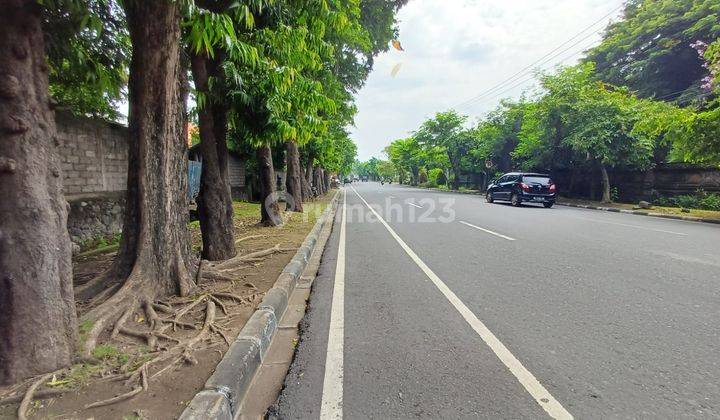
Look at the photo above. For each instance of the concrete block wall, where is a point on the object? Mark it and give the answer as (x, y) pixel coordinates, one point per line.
(93, 155)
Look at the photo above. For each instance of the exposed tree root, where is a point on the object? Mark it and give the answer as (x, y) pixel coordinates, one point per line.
(28, 398)
(247, 238)
(142, 386)
(232, 262)
(37, 395)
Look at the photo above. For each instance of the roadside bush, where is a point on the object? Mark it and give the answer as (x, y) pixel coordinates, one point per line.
(428, 184)
(433, 175)
(441, 178)
(422, 176)
(701, 200)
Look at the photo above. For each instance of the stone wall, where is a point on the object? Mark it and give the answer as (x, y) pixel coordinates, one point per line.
(666, 180)
(95, 216)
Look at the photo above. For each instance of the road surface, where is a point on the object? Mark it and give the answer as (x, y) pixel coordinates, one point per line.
(456, 308)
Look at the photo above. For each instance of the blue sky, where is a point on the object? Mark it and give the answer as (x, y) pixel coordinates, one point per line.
(457, 49)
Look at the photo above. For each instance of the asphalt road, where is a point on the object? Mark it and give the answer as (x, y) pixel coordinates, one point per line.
(475, 310)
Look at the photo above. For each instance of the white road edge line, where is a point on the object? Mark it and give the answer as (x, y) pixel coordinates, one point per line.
(487, 231)
(526, 379)
(632, 226)
(332, 394)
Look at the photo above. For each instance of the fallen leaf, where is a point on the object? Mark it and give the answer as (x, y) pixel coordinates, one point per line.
(397, 45)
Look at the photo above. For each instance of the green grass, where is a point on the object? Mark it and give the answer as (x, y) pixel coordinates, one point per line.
(110, 354)
(245, 209)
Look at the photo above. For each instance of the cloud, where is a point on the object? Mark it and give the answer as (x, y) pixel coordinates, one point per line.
(456, 49)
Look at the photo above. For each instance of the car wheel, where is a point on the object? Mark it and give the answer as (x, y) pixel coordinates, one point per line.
(548, 205)
(489, 197)
(515, 200)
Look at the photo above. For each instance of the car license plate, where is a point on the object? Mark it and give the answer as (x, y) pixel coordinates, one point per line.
(538, 199)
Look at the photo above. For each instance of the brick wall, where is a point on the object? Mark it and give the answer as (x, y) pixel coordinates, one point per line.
(93, 155)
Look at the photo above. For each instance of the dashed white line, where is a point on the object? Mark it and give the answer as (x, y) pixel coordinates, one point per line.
(487, 231)
(631, 226)
(526, 379)
(332, 394)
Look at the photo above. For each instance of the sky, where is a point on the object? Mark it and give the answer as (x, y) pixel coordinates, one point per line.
(457, 50)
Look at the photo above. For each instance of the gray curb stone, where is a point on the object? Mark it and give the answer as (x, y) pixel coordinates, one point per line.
(643, 213)
(227, 386)
(208, 405)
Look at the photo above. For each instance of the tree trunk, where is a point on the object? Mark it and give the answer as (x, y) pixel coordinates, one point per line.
(456, 177)
(38, 325)
(154, 257)
(309, 174)
(214, 201)
(326, 179)
(306, 191)
(605, 185)
(293, 178)
(269, 207)
(317, 180)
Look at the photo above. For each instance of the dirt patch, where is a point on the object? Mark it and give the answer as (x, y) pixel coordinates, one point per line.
(125, 362)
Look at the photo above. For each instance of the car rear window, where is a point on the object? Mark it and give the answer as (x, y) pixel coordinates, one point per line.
(543, 180)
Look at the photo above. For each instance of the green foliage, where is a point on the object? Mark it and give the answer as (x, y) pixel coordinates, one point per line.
(388, 171)
(436, 176)
(441, 179)
(88, 52)
(650, 50)
(700, 200)
(422, 176)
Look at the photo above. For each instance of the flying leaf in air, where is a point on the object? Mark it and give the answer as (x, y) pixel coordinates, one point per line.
(397, 45)
(395, 69)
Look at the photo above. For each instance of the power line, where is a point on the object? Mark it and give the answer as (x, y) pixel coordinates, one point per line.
(542, 59)
(508, 89)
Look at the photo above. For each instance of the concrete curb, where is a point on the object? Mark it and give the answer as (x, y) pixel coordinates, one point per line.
(227, 386)
(583, 206)
(642, 213)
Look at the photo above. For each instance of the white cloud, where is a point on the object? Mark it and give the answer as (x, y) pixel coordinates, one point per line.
(456, 49)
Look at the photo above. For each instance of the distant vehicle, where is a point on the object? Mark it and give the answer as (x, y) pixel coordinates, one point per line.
(521, 187)
(347, 181)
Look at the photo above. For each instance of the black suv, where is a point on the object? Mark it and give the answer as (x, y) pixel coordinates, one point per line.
(520, 187)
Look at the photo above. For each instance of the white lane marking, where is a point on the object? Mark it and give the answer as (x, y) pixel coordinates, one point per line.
(632, 226)
(412, 204)
(526, 379)
(487, 231)
(332, 394)
(684, 258)
(391, 196)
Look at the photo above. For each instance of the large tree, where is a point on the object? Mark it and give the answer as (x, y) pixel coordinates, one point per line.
(447, 131)
(211, 42)
(37, 308)
(651, 49)
(154, 257)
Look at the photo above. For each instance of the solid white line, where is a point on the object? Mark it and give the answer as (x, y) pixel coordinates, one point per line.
(332, 395)
(526, 379)
(412, 204)
(487, 231)
(632, 226)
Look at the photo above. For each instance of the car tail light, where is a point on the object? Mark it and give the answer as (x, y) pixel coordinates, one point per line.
(552, 188)
(525, 187)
